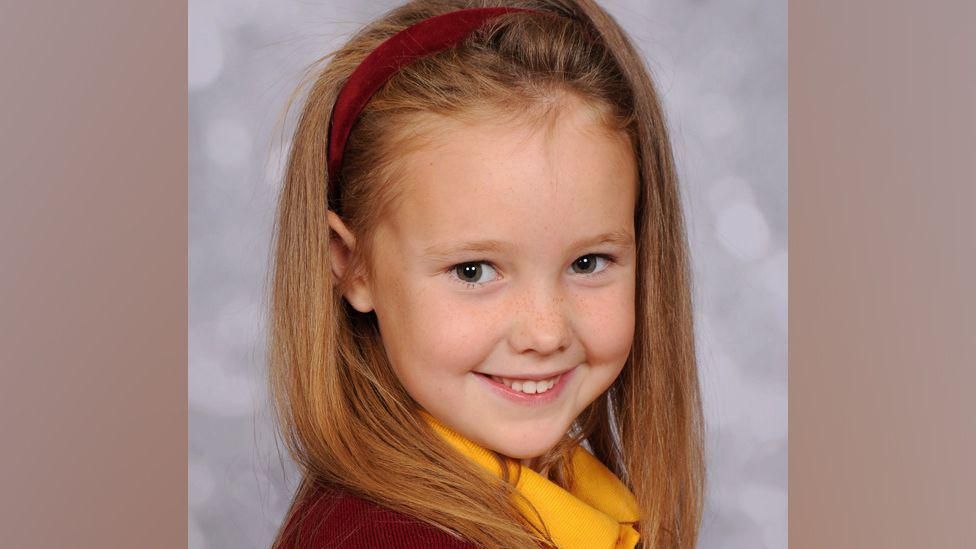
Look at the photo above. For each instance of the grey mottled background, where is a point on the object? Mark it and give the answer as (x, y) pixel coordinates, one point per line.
(721, 68)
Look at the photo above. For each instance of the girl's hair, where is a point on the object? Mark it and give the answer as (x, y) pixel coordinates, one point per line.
(342, 412)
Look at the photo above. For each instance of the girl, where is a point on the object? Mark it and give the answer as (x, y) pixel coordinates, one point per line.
(481, 326)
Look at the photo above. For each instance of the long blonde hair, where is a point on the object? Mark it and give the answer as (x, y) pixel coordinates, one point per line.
(344, 416)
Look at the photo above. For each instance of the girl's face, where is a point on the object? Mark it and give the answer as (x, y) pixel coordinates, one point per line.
(511, 254)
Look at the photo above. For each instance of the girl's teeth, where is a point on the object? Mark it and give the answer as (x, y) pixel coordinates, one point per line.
(528, 386)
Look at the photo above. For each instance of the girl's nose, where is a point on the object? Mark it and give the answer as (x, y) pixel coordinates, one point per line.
(541, 321)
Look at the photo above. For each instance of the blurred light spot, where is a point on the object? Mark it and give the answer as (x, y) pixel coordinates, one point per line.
(767, 505)
(767, 412)
(292, 15)
(195, 538)
(237, 323)
(228, 145)
(204, 50)
(774, 274)
(742, 230)
(201, 482)
(726, 190)
(718, 116)
(221, 393)
(235, 13)
(723, 68)
(752, 410)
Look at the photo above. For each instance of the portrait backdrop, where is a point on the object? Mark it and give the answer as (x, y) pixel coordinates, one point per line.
(721, 71)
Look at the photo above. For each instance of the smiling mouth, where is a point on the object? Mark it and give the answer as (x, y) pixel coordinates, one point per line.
(528, 386)
(529, 391)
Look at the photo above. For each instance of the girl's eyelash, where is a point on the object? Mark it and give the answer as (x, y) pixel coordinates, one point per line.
(610, 259)
(453, 269)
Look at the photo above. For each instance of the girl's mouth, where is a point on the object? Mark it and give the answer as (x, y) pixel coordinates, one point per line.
(528, 391)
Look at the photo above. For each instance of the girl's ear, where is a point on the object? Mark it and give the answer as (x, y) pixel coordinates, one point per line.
(341, 245)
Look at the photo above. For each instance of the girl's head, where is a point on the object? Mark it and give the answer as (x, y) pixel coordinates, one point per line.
(509, 252)
(506, 207)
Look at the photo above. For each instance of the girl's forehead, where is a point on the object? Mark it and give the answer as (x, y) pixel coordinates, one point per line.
(571, 177)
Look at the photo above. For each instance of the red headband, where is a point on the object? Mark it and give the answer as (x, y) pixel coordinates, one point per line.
(425, 37)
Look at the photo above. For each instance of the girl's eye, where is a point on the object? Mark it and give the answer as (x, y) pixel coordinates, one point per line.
(587, 263)
(478, 273)
(470, 273)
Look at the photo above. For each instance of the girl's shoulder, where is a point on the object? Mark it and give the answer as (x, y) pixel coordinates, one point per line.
(333, 518)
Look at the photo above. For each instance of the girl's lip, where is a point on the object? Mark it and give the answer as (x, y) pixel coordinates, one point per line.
(523, 398)
(531, 377)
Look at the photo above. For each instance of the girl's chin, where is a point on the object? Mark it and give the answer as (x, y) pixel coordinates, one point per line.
(541, 443)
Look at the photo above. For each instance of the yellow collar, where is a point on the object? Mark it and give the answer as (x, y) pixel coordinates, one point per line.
(599, 513)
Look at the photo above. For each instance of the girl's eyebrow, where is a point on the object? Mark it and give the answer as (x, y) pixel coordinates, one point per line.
(619, 238)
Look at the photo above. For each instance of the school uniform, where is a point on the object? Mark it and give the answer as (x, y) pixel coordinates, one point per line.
(332, 518)
(599, 513)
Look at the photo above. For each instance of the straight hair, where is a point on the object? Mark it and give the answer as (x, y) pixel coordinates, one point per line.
(342, 413)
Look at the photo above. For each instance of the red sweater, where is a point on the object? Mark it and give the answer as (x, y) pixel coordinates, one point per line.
(336, 519)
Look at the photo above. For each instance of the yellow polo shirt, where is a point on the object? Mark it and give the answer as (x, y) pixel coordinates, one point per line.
(599, 513)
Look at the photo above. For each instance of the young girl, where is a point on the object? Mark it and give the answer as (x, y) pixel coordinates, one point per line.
(481, 326)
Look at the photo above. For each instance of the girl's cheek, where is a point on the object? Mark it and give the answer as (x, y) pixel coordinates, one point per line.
(457, 334)
(606, 324)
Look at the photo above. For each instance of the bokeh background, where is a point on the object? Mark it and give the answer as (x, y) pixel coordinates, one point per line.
(721, 69)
